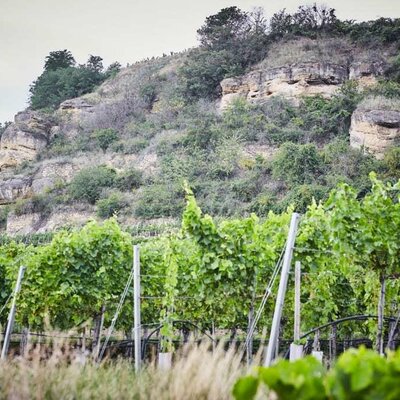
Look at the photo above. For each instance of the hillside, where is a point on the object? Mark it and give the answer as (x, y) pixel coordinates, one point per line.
(304, 110)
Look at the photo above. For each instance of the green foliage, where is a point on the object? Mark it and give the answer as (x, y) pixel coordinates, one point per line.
(231, 252)
(112, 70)
(160, 200)
(40, 203)
(110, 206)
(59, 59)
(130, 179)
(386, 88)
(358, 374)
(4, 210)
(203, 71)
(105, 137)
(392, 163)
(89, 182)
(375, 32)
(69, 279)
(308, 20)
(230, 41)
(54, 86)
(297, 164)
(62, 80)
(324, 119)
(393, 71)
(148, 93)
(300, 197)
(363, 374)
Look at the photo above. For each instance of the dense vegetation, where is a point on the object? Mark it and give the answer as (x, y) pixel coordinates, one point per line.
(357, 374)
(62, 79)
(251, 157)
(214, 272)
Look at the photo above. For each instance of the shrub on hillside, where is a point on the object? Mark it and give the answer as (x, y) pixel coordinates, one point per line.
(40, 203)
(105, 137)
(300, 197)
(160, 200)
(110, 206)
(131, 178)
(297, 163)
(88, 183)
(392, 163)
(203, 71)
(54, 86)
(62, 79)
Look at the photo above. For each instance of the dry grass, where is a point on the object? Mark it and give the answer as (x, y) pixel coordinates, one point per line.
(334, 50)
(197, 373)
(379, 103)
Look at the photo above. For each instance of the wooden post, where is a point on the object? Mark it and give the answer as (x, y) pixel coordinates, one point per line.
(24, 341)
(136, 306)
(11, 316)
(273, 338)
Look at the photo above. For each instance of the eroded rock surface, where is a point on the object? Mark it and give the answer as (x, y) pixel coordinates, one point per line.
(24, 139)
(375, 130)
(15, 188)
(293, 81)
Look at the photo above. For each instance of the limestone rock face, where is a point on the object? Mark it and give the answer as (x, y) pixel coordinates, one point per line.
(35, 222)
(375, 130)
(295, 80)
(24, 139)
(15, 188)
(72, 114)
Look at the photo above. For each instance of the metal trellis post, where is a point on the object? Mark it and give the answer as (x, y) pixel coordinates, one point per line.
(11, 316)
(136, 305)
(282, 289)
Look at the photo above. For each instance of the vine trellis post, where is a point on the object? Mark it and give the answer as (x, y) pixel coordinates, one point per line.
(287, 259)
(136, 306)
(11, 316)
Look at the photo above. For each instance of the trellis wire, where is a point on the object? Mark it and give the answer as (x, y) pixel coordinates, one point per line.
(114, 320)
(267, 293)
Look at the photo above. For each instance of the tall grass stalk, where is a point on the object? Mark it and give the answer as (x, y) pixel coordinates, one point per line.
(198, 372)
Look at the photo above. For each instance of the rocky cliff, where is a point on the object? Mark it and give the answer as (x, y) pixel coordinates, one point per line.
(296, 80)
(41, 153)
(24, 139)
(375, 126)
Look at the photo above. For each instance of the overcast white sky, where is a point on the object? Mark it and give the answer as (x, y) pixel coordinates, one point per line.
(119, 30)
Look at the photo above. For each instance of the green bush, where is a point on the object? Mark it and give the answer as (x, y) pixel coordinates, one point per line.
(40, 203)
(358, 374)
(109, 206)
(88, 183)
(160, 200)
(54, 86)
(105, 137)
(129, 146)
(297, 164)
(387, 89)
(203, 71)
(392, 163)
(301, 197)
(4, 211)
(129, 179)
(148, 93)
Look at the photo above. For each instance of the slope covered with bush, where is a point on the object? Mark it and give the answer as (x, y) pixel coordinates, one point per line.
(157, 123)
